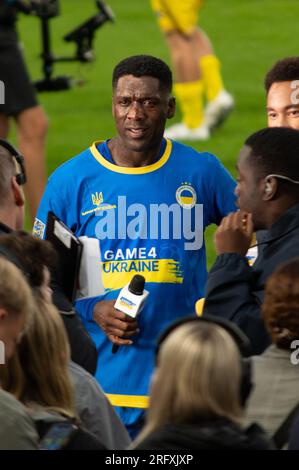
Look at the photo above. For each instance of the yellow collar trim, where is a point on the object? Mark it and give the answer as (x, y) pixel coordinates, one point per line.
(130, 401)
(129, 170)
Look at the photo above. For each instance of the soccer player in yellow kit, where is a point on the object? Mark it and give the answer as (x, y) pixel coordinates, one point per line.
(196, 68)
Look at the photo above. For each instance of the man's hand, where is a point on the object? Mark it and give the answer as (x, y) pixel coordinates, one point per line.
(114, 323)
(234, 234)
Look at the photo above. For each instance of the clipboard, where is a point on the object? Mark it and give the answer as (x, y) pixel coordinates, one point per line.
(69, 250)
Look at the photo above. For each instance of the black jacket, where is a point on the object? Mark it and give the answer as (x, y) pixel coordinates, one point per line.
(210, 435)
(8, 15)
(294, 437)
(235, 291)
(83, 350)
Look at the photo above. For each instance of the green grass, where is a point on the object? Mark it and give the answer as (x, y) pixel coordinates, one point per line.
(248, 36)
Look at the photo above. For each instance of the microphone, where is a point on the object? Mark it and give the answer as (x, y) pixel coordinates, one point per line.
(131, 299)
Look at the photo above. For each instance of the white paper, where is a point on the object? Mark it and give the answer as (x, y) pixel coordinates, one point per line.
(90, 273)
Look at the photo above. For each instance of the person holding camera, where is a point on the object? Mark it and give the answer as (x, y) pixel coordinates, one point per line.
(21, 104)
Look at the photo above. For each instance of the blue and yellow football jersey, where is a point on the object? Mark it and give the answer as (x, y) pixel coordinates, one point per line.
(149, 220)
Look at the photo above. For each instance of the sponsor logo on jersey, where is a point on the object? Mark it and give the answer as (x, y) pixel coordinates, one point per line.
(39, 228)
(186, 196)
(98, 201)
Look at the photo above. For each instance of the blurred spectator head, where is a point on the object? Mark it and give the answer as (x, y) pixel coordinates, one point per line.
(16, 304)
(285, 70)
(282, 88)
(38, 372)
(37, 258)
(281, 304)
(198, 375)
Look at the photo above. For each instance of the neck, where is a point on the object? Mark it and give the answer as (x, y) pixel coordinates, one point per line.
(278, 210)
(123, 156)
(7, 218)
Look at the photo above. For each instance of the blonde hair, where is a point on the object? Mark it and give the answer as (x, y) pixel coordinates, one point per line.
(39, 373)
(198, 375)
(15, 293)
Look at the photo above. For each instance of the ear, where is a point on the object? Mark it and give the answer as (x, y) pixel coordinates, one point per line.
(171, 107)
(270, 188)
(18, 193)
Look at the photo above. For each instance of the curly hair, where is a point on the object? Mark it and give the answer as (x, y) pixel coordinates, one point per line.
(285, 70)
(281, 304)
(33, 253)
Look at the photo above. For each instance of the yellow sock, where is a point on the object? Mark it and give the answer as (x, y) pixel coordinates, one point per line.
(211, 76)
(190, 99)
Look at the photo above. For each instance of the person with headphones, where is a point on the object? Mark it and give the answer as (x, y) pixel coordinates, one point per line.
(21, 104)
(268, 198)
(198, 390)
(12, 179)
(12, 203)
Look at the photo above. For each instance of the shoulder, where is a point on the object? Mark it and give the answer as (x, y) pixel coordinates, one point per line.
(17, 429)
(76, 168)
(11, 404)
(205, 165)
(83, 379)
(78, 371)
(190, 155)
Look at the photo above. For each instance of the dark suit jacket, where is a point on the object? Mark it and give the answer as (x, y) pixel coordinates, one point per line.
(235, 291)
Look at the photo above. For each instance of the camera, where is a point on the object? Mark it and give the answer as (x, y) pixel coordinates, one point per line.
(84, 33)
(40, 8)
(45, 8)
(82, 36)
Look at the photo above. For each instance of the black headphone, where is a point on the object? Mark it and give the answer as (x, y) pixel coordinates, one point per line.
(238, 336)
(21, 176)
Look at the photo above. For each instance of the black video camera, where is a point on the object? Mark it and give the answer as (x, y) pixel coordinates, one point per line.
(45, 8)
(82, 36)
(40, 8)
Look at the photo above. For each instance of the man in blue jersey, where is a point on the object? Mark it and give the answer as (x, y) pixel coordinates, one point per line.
(148, 200)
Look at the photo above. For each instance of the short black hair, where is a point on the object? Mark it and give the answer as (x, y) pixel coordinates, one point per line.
(7, 171)
(285, 70)
(144, 65)
(275, 150)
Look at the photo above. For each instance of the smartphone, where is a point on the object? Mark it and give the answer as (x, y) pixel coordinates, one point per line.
(58, 436)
